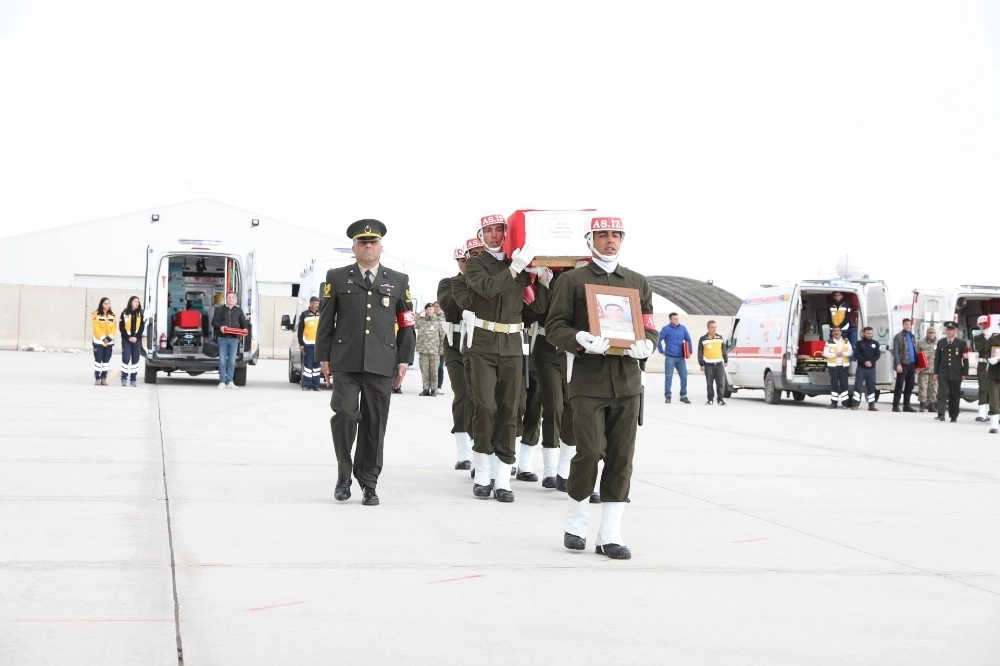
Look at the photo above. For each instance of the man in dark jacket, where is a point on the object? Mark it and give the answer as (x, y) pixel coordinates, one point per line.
(366, 339)
(866, 353)
(230, 326)
(904, 357)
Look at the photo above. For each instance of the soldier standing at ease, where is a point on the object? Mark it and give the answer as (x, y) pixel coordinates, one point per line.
(951, 364)
(605, 389)
(979, 346)
(992, 373)
(454, 365)
(926, 384)
(366, 338)
(866, 353)
(493, 323)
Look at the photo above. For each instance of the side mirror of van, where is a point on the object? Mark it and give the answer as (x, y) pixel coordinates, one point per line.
(286, 322)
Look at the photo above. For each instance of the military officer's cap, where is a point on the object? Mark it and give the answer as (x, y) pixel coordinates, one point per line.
(366, 230)
(950, 325)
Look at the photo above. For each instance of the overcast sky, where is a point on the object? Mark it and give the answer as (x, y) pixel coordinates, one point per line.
(742, 142)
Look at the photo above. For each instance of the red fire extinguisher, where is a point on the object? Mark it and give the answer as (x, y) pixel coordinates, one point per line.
(163, 340)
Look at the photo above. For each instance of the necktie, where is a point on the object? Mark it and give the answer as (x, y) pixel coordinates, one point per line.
(368, 279)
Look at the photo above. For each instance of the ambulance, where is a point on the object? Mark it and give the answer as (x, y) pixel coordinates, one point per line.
(779, 332)
(184, 284)
(962, 305)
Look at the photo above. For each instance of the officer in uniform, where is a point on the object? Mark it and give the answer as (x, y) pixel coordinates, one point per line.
(306, 331)
(455, 366)
(951, 363)
(992, 372)
(493, 323)
(366, 338)
(605, 388)
(979, 346)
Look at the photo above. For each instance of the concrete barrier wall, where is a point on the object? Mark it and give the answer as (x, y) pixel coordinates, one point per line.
(58, 318)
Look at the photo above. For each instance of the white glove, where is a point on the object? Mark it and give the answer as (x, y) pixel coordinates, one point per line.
(543, 274)
(992, 361)
(591, 343)
(468, 325)
(521, 258)
(640, 350)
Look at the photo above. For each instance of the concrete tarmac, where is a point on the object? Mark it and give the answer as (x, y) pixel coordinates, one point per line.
(138, 521)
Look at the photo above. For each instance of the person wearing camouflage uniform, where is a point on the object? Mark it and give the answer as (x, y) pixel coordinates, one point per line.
(926, 384)
(430, 346)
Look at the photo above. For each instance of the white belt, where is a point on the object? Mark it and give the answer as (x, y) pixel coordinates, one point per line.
(454, 328)
(499, 328)
(707, 360)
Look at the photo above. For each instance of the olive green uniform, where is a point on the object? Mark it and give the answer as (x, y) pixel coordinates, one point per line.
(495, 358)
(605, 390)
(453, 355)
(980, 346)
(364, 333)
(992, 373)
(951, 363)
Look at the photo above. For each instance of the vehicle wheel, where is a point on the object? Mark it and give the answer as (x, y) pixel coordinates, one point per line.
(293, 377)
(772, 395)
(798, 396)
(149, 377)
(240, 376)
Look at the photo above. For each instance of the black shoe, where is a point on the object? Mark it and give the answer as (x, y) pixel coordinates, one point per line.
(667, 401)
(464, 464)
(425, 392)
(513, 471)
(527, 476)
(434, 392)
(871, 408)
(481, 492)
(315, 388)
(922, 408)
(561, 484)
(549, 482)
(832, 405)
(503, 495)
(954, 419)
(981, 419)
(595, 498)
(342, 492)
(573, 542)
(472, 473)
(709, 402)
(909, 409)
(685, 401)
(614, 551)
(721, 403)
(940, 417)
(895, 408)
(397, 390)
(370, 498)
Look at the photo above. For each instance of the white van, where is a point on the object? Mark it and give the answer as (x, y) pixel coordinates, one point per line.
(184, 285)
(962, 305)
(313, 278)
(779, 332)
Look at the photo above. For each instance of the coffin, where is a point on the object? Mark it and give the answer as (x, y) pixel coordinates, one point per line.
(555, 236)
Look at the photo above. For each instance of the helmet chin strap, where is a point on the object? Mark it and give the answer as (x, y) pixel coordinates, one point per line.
(491, 250)
(603, 257)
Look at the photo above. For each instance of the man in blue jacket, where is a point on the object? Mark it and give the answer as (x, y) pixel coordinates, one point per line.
(671, 344)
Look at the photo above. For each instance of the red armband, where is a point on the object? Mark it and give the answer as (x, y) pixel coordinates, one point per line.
(649, 322)
(404, 319)
(529, 294)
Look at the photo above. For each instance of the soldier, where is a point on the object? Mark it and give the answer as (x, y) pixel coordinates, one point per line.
(530, 421)
(992, 373)
(454, 365)
(430, 347)
(951, 364)
(493, 323)
(979, 346)
(926, 384)
(306, 331)
(605, 389)
(460, 294)
(366, 338)
(866, 353)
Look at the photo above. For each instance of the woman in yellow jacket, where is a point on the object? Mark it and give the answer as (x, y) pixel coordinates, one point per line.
(130, 325)
(104, 325)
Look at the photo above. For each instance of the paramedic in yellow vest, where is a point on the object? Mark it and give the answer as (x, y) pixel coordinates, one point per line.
(104, 325)
(841, 315)
(130, 325)
(308, 323)
(713, 358)
(838, 361)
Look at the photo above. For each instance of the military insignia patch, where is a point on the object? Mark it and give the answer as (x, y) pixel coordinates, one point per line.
(326, 290)
(385, 301)
(408, 297)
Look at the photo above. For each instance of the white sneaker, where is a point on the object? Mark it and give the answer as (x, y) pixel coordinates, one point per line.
(221, 386)
(231, 386)
(440, 391)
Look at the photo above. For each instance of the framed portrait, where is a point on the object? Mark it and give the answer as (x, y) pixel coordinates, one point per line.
(614, 313)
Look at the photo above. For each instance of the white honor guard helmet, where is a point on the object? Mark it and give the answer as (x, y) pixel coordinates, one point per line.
(459, 253)
(600, 222)
(472, 244)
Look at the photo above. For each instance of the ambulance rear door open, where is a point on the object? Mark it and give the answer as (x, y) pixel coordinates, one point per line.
(879, 317)
(790, 353)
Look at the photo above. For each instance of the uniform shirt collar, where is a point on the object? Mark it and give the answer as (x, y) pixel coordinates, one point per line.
(599, 266)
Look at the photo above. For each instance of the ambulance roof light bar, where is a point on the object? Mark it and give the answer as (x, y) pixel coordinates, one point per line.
(199, 244)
